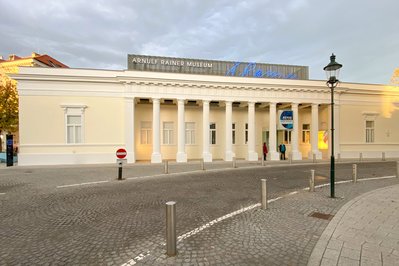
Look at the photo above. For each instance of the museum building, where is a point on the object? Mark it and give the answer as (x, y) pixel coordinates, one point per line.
(182, 109)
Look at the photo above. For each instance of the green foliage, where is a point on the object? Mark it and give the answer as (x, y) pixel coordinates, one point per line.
(8, 105)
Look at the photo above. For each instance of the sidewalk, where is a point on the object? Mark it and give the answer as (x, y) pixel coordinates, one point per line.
(365, 231)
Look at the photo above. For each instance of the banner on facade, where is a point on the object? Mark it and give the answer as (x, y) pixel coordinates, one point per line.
(323, 140)
(285, 120)
(215, 67)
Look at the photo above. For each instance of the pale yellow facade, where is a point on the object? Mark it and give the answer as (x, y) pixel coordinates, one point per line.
(118, 109)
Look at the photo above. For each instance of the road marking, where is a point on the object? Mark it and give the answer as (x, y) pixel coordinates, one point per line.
(195, 231)
(83, 184)
(136, 259)
(2, 193)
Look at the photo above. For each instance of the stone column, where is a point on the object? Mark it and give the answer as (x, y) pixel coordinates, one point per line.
(314, 130)
(274, 155)
(252, 154)
(296, 154)
(206, 155)
(229, 154)
(181, 156)
(129, 129)
(156, 156)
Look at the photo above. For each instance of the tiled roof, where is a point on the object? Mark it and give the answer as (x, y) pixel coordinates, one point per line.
(44, 59)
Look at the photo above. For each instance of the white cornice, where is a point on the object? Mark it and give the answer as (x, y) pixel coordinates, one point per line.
(135, 83)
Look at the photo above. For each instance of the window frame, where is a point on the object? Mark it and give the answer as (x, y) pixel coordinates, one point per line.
(287, 136)
(246, 134)
(212, 131)
(147, 131)
(306, 132)
(370, 131)
(169, 140)
(233, 133)
(74, 110)
(190, 132)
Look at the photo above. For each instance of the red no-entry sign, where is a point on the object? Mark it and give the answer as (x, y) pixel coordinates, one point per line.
(121, 153)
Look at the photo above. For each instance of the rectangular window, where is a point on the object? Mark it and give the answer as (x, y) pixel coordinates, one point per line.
(190, 133)
(145, 132)
(369, 131)
(246, 133)
(212, 133)
(167, 133)
(74, 129)
(287, 136)
(74, 123)
(306, 133)
(233, 133)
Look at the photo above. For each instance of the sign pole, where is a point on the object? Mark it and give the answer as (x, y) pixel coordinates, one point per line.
(120, 154)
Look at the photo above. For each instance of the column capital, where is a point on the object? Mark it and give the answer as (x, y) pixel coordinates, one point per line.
(206, 101)
(228, 102)
(181, 101)
(294, 104)
(156, 100)
(252, 103)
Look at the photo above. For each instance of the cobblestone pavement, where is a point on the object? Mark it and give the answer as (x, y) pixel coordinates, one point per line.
(364, 232)
(124, 221)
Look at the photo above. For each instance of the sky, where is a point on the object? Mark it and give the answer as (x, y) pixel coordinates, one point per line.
(363, 34)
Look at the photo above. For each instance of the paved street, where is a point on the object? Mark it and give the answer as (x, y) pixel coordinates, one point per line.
(58, 216)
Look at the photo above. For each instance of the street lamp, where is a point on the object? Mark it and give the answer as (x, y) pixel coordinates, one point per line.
(332, 72)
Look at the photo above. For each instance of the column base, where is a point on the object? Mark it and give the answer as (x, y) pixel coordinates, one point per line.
(156, 157)
(273, 156)
(318, 155)
(207, 157)
(252, 156)
(229, 156)
(296, 155)
(181, 157)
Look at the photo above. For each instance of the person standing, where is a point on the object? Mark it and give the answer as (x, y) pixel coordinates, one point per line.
(282, 150)
(264, 151)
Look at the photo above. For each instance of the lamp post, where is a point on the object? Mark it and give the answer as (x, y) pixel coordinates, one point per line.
(332, 72)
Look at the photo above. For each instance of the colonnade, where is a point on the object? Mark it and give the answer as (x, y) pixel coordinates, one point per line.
(252, 155)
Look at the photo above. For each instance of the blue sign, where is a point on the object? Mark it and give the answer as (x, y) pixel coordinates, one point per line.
(250, 70)
(286, 119)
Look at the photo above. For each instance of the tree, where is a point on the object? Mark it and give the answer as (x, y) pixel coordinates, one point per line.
(8, 106)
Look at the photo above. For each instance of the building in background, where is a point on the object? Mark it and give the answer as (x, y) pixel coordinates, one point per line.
(189, 109)
(11, 66)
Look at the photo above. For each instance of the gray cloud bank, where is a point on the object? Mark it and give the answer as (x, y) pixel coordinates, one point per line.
(100, 34)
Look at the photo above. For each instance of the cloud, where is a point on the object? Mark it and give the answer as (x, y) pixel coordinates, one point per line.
(100, 34)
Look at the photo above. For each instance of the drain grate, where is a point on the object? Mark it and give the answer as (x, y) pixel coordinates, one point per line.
(324, 216)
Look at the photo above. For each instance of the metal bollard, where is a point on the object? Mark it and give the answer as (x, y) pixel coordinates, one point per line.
(234, 162)
(119, 170)
(383, 156)
(354, 173)
(166, 167)
(311, 181)
(397, 169)
(202, 164)
(264, 195)
(314, 158)
(171, 228)
(360, 156)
